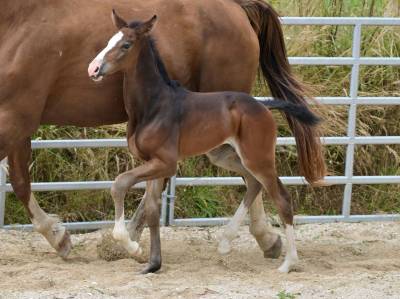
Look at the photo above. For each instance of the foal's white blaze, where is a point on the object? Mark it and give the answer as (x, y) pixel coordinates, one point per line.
(98, 60)
(231, 230)
(111, 44)
(291, 257)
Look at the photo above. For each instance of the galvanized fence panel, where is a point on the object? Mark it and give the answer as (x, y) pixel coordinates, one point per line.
(351, 140)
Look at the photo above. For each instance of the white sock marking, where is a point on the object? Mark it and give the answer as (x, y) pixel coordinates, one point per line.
(231, 230)
(291, 257)
(121, 234)
(49, 227)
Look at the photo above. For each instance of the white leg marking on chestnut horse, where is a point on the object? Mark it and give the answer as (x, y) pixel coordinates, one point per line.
(49, 227)
(121, 234)
(231, 230)
(291, 257)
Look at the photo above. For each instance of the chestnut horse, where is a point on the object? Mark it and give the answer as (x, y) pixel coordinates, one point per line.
(45, 46)
(168, 123)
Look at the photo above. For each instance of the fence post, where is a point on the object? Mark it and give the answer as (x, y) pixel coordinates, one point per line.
(171, 200)
(3, 181)
(164, 203)
(352, 121)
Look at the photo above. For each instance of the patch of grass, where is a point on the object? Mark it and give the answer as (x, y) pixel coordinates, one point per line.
(285, 295)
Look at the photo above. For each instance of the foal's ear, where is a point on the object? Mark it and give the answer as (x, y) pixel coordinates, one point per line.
(118, 21)
(147, 26)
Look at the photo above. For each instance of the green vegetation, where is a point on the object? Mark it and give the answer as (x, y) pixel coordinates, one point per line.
(105, 164)
(285, 295)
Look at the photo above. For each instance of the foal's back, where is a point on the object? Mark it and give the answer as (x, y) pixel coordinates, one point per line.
(209, 119)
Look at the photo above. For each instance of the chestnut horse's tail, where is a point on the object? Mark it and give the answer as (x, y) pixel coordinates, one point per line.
(284, 86)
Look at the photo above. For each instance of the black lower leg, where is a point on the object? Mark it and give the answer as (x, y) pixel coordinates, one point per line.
(152, 210)
(155, 251)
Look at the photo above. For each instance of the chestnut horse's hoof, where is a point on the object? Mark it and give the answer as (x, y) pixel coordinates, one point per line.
(151, 268)
(275, 251)
(65, 245)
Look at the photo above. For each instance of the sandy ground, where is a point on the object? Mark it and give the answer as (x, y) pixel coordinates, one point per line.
(337, 261)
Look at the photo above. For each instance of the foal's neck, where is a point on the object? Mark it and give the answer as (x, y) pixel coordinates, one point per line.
(145, 87)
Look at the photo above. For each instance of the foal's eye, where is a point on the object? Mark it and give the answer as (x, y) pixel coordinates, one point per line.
(126, 46)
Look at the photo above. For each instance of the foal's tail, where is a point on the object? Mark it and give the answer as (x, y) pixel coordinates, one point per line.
(284, 86)
(299, 112)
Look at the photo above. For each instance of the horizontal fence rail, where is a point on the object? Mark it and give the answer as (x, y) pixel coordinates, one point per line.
(351, 140)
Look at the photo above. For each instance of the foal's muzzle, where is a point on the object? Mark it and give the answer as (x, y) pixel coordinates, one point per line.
(95, 70)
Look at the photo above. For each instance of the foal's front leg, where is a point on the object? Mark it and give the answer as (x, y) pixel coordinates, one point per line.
(118, 191)
(153, 169)
(152, 211)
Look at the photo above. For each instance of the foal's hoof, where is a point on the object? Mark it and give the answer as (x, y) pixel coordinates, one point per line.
(65, 245)
(288, 265)
(275, 251)
(151, 268)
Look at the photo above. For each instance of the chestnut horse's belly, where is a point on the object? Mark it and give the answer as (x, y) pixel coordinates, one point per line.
(91, 104)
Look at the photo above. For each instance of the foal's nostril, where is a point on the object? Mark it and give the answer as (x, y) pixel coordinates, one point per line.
(96, 70)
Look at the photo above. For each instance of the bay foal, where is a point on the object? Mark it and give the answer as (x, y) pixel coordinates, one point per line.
(168, 123)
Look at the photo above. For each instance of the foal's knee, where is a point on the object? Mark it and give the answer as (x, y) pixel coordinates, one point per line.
(119, 187)
(170, 169)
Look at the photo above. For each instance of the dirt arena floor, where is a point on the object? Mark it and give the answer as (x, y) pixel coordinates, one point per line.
(337, 261)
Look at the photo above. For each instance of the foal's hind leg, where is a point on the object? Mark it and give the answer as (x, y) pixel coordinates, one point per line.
(281, 197)
(269, 241)
(262, 230)
(231, 230)
(49, 227)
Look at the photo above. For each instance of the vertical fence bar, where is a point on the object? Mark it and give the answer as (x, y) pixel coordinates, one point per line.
(352, 122)
(3, 181)
(171, 202)
(164, 203)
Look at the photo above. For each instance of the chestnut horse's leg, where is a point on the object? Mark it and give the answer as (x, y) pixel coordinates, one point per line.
(269, 241)
(49, 227)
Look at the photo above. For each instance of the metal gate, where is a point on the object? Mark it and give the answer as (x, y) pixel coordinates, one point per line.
(351, 140)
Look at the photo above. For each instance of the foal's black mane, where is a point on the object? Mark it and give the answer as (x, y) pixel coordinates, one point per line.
(159, 63)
